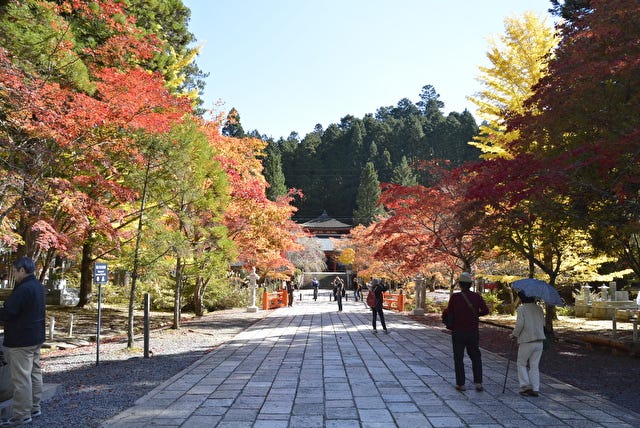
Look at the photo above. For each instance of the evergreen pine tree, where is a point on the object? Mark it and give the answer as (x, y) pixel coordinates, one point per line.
(273, 174)
(368, 196)
(403, 174)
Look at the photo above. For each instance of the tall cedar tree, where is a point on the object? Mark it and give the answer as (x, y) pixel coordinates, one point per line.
(368, 197)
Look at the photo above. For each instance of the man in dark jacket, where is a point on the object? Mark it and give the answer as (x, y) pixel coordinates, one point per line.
(466, 306)
(378, 289)
(23, 315)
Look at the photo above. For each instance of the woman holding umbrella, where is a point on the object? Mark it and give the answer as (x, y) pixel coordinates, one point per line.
(529, 331)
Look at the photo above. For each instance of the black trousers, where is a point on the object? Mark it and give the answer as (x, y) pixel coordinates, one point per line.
(378, 311)
(469, 340)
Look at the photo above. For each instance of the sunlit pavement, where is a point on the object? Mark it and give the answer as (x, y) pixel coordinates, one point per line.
(312, 366)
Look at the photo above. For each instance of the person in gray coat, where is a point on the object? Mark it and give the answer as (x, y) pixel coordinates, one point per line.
(529, 331)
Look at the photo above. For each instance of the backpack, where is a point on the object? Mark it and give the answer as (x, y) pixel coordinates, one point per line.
(372, 301)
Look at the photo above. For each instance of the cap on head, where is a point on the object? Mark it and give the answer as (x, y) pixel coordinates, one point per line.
(465, 277)
(375, 281)
(25, 263)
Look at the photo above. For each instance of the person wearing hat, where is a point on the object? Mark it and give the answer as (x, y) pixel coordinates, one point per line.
(23, 315)
(529, 331)
(466, 306)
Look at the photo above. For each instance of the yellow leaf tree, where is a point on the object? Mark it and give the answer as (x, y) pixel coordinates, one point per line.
(518, 60)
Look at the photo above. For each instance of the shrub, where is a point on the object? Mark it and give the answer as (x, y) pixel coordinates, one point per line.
(493, 302)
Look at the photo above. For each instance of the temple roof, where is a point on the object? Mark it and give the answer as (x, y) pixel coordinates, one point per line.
(325, 222)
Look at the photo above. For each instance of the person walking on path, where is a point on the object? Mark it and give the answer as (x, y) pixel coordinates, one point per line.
(357, 292)
(290, 290)
(378, 288)
(338, 291)
(23, 315)
(466, 306)
(315, 284)
(529, 331)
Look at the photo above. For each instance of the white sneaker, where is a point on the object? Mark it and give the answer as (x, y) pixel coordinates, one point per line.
(16, 422)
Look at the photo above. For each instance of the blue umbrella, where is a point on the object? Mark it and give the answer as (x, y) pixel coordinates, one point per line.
(532, 287)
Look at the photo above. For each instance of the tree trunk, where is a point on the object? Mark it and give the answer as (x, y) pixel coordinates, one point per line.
(177, 295)
(198, 297)
(136, 258)
(86, 280)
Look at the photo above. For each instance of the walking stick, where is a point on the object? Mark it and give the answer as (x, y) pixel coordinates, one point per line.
(504, 386)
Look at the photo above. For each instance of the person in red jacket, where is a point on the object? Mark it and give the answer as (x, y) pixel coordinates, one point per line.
(466, 307)
(23, 315)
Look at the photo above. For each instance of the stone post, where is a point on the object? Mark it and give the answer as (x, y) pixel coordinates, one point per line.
(420, 295)
(253, 277)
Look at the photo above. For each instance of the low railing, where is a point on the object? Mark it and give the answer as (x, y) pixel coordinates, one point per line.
(277, 299)
(393, 301)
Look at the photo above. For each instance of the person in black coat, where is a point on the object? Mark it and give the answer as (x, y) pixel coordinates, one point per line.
(23, 315)
(378, 288)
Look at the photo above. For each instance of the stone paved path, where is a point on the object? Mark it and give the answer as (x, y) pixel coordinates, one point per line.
(312, 366)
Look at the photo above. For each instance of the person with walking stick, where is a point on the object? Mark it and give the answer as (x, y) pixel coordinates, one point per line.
(529, 332)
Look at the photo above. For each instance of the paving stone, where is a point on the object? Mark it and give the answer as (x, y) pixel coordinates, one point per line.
(310, 366)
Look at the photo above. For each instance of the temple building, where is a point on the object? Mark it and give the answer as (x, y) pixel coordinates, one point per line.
(324, 228)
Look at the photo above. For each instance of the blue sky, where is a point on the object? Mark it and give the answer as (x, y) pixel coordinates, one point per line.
(287, 65)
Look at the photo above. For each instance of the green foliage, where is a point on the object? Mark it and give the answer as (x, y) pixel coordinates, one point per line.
(493, 302)
(403, 174)
(567, 311)
(39, 39)
(327, 164)
(273, 173)
(368, 197)
(225, 296)
(432, 306)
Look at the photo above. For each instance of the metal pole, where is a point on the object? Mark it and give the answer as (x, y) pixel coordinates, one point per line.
(71, 325)
(98, 326)
(146, 324)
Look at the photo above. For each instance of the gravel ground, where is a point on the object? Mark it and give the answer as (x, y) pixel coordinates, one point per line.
(94, 393)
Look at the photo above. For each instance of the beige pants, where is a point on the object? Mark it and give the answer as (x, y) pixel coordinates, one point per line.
(26, 376)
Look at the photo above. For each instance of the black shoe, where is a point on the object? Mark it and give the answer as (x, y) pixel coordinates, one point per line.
(532, 393)
(525, 392)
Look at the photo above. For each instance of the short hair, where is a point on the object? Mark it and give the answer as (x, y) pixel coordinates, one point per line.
(25, 263)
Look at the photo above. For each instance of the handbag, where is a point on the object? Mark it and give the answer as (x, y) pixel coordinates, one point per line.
(447, 319)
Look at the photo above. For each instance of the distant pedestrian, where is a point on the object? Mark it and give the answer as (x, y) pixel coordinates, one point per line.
(378, 289)
(23, 316)
(529, 331)
(357, 292)
(338, 291)
(290, 289)
(466, 307)
(315, 284)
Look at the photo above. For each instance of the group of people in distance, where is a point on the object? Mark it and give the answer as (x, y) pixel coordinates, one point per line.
(467, 306)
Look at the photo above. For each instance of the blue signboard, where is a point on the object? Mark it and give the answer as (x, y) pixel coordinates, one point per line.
(100, 273)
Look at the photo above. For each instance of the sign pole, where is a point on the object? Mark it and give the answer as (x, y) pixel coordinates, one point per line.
(100, 276)
(99, 320)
